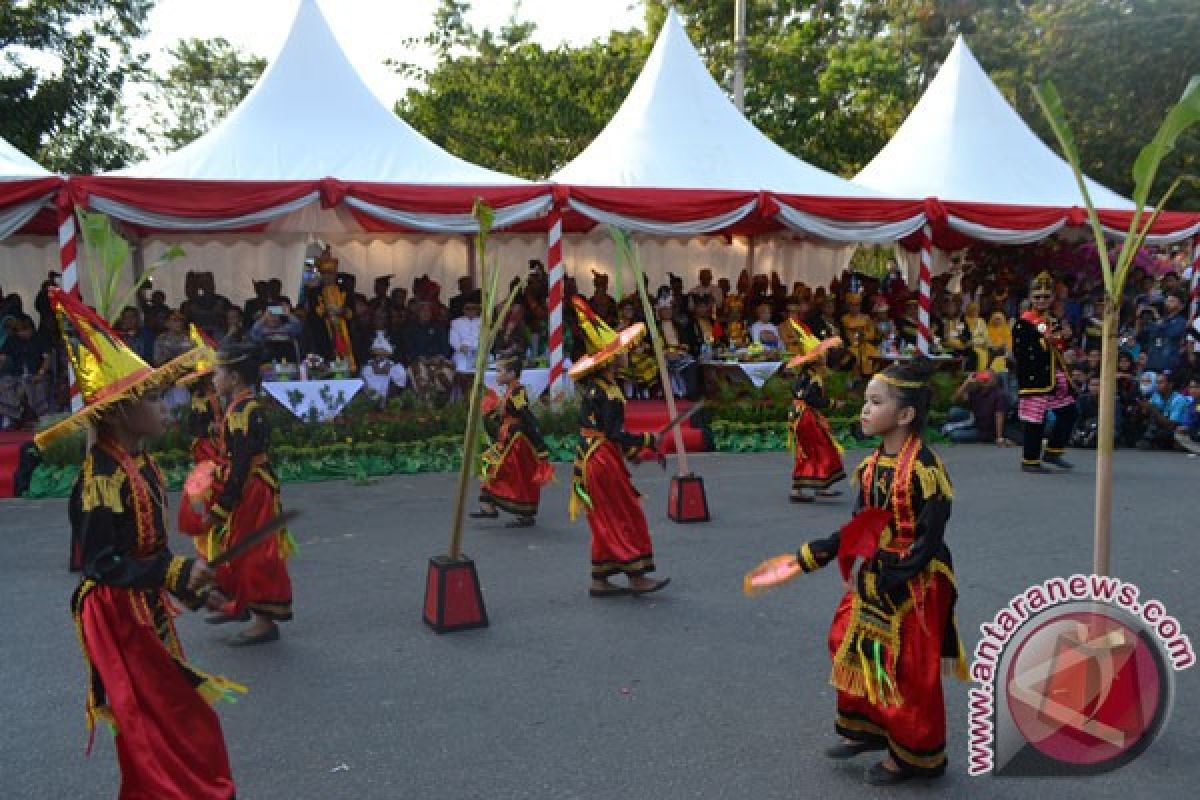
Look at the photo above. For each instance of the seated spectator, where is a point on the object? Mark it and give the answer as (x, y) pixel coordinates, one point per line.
(235, 323)
(427, 347)
(140, 340)
(982, 420)
(278, 332)
(512, 337)
(1087, 425)
(24, 374)
(1167, 410)
(1188, 435)
(380, 372)
(763, 331)
(172, 342)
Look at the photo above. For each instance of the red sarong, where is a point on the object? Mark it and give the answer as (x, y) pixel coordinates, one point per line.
(915, 730)
(818, 461)
(168, 739)
(620, 535)
(515, 484)
(205, 448)
(258, 579)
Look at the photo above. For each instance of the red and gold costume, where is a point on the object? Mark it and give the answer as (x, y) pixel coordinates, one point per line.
(168, 739)
(516, 466)
(891, 633)
(600, 483)
(818, 457)
(331, 306)
(204, 421)
(248, 498)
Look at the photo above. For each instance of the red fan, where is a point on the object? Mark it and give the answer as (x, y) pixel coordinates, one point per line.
(198, 490)
(860, 537)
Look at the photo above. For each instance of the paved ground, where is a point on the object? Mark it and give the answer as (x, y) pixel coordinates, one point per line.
(698, 693)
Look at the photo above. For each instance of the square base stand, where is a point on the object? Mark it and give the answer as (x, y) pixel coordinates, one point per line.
(453, 598)
(686, 501)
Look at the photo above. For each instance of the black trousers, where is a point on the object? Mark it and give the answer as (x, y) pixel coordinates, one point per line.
(1064, 423)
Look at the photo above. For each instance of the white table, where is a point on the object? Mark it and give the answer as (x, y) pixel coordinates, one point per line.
(758, 372)
(535, 380)
(325, 398)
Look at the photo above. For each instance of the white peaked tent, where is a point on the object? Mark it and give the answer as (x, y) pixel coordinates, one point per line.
(966, 147)
(678, 158)
(25, 188)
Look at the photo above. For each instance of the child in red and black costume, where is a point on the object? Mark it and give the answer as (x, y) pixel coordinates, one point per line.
(894, 628)
(248, 497)
(517, 465)
(168, 739)
(818, 463)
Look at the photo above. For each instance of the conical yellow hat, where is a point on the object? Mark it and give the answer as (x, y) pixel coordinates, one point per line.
(811, 346)
(596, 333)
(105, 369)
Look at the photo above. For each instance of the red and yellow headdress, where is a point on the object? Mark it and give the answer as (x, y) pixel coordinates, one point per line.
(207, 358)
(602, 342)
(106, 370)
(811, 347)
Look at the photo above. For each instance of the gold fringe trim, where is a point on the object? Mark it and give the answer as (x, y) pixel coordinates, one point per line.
(102, 490)
(239, 421)
(934, 480)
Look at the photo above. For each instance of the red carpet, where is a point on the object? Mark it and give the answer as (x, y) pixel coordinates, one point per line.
(11, 443)
(642, 416)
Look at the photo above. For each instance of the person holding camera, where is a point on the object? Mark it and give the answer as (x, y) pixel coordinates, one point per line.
(979, 411)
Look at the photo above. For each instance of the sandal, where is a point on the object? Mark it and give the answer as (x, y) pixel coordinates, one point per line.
(481, 514)
(608, 591)
(829, 493)
(879, 775)
(521, 522)
(656, 587)
(844, 750)
(222, 617)
(244, 639)
(801, 498)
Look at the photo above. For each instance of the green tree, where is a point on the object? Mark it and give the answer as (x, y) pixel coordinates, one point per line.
(64, 68)
(506, 102)
(207, 80)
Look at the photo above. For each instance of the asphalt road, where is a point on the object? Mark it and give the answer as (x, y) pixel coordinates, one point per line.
(695, 693)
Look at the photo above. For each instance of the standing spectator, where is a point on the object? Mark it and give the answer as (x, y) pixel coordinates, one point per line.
(235, 324)
(464, 342)
(988, 408)
(1162, 337)
(706, 287)
(136, 337)
(1188, 436)
(24, 373)
(460, 300)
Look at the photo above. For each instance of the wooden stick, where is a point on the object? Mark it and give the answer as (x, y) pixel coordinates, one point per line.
(625, 247)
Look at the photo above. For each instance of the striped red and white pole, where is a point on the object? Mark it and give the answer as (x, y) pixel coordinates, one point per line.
(68, 260)
(924, 285)
(554, 302)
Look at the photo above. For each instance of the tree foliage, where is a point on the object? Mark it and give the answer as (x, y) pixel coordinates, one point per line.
(207, 80)
(64, 67)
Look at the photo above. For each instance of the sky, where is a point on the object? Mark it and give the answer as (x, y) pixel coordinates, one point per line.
(371, 31)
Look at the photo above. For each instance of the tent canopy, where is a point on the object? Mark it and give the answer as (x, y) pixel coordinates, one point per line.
(309, 130)
(679, 158)
(25, 188)
(994, 179)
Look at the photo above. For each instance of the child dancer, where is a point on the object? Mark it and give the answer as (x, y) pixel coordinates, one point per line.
(517, 465)
(169, 741)
(895, 623)
(818, 458)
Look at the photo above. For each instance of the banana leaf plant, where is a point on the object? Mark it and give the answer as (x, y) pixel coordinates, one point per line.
(106, 256)
(1179, 118)
(489, 326)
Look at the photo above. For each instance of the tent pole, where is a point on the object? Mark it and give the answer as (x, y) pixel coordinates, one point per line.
(924, 288)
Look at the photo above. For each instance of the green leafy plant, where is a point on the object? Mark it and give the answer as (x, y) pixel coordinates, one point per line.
(1179, 118)
(107, 255)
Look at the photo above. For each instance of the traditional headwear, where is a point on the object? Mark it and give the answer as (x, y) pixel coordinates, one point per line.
(325, 262)
(1042, 282)
(381, 344)
(854, 298)
(106, 370)
(602, 342)
(510, 361)
(880, 305)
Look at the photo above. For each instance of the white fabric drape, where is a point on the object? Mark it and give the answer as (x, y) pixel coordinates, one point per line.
(840, 231)
(151, 219)
(453, 223)
(639, 225)
(1003, 235)
(12, 219)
